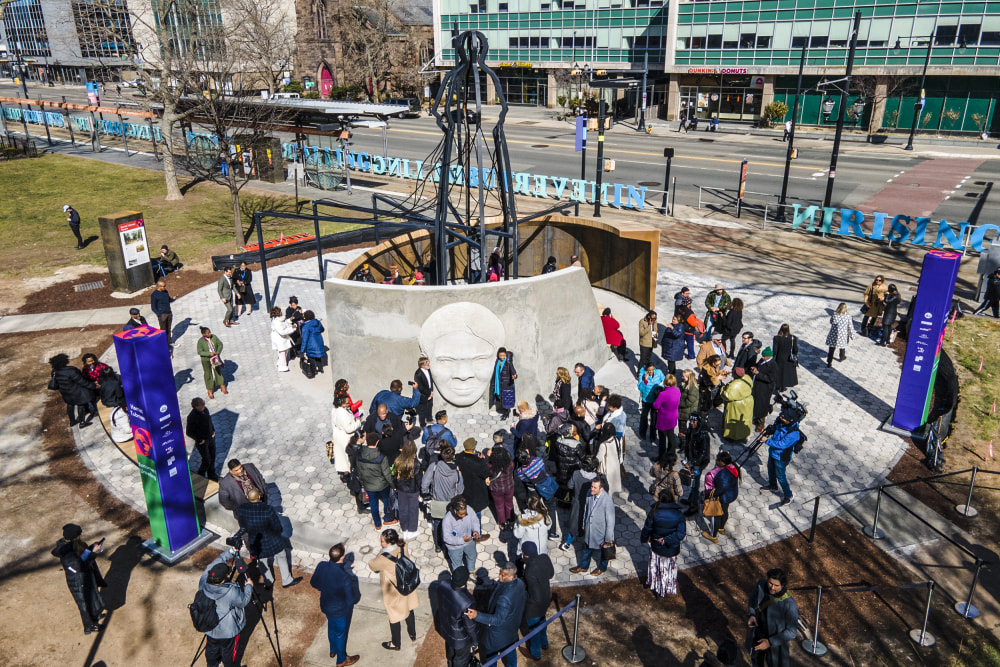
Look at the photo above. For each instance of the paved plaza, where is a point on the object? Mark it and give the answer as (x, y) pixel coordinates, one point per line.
(281, 422)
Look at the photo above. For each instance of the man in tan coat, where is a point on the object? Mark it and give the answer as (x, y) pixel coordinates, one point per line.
(710, 347)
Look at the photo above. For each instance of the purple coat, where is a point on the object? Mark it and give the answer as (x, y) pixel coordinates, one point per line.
(666, 406)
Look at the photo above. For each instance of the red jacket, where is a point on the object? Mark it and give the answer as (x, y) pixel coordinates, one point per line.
(612, 331)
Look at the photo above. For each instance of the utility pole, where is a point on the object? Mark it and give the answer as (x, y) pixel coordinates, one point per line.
(841, 111)
(791, 137)
(642, 95)
(920, 104)
(600, 158)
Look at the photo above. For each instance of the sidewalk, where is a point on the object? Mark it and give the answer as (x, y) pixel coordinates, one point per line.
(71, 319)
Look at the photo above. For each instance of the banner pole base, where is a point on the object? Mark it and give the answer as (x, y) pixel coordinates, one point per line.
(873, 532)
(926, 640)
(813, 647)
(173, 557)
(568, 653)
(967, 510)
(968, 611)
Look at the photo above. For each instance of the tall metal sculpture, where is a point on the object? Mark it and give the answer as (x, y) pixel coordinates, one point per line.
(474, 202)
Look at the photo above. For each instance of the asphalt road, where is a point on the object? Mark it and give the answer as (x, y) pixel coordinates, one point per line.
(701, 159)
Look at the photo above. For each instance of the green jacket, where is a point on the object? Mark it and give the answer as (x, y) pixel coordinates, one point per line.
(204, 352)
(723, 304)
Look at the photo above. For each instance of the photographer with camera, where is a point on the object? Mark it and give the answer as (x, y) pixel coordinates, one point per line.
(264, 539)
(229, 600)
(784, 439)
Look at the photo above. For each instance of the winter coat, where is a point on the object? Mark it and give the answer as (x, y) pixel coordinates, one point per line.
(338, 588)
(665, 529)
(698, 447)
(395, 402)
(397, 605)
(345, 425)
(531, 527)
(538, 572)
(746, 356)
(205, 350)
(992, 288)
(564, 395)
(610, 464)
(874, 298)
(889, 312)
(612, 331)
(665, 480)
(689, 401)
(764, 384)
(599, 520)
(502, 617)
(281, 333)
(374, 469)
(707, 350)
(666, 406)
(263, 529)
(725, 483)
(312, 339)
(647, 383)
(442, 481)
(731, 323)
(784, 347)
(83, 577)
(647, 336)
(474, 473)
(457, 629)
(778, 622)
(231, 495)
(506, 379)
(737, 418)
(528, 423)
(579, 486)
(230, 599)
(724, 301)
(673, 342)
(841, 331)
(73, 387)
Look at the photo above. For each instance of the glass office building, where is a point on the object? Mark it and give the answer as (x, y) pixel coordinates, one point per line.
(730, 59)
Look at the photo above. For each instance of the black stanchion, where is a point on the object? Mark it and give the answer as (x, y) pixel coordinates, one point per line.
(873, 531)
(814, 646)
(967, 609)
(572, 652)
(967, 510)
(922, 637)
(812, 528)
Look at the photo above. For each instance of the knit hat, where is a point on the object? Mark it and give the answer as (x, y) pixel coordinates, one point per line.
(218, 573)
(469, 444)
(71, 531)
(767, 352)
(460, 576)
(163, 247)
(529, 549)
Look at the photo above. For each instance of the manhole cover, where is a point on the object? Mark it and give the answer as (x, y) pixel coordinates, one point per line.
(649, 184)
(86, 287)
(540, 146)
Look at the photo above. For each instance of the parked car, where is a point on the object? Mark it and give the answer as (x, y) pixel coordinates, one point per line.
(412, 102)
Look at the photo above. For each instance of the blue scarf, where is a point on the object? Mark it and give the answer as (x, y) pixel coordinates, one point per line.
(496, 375)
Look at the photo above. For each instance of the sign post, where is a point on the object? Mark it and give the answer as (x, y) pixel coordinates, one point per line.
(743, 186)
(669, 154)
(126, 249)
(581, 147)
(929, 314)
(148, 380)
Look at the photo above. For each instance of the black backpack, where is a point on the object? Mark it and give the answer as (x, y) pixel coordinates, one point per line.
(407, 574)
(204, 614)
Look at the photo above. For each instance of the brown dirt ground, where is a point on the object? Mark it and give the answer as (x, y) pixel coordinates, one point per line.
(149, 623)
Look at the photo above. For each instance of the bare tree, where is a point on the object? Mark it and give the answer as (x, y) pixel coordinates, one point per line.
(876, 89)
(264, 44)
(372, 43)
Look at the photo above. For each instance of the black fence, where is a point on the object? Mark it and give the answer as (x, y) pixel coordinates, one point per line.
(12, 148)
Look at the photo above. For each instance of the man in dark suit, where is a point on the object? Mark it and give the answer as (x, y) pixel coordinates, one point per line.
(134, 320)
(503, 615)
(746, 356)
(391, 440)
(225, 289)
(425, 385)
(200, 429)
(264, 538)
(235, 486)
(457, 629)
(339, 591)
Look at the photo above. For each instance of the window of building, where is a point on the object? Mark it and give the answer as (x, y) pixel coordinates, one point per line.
(990, 35)
(818, 42)
(715, 41)
(747, 40)
(502, 7)
(798, 42)
(103, 28)
(24, 26)
(969, 33)
(763, 41)
(945, 35)
(697, 42)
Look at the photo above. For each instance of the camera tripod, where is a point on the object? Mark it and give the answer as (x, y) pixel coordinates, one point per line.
(261, 606)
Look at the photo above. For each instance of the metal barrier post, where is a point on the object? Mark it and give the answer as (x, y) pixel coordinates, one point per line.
(873, 531)
(673, 195)
(967, 509)
(922, 637)
(967, 609)
(572, 652)
(45, 119)
(812, 529)
(814, 646)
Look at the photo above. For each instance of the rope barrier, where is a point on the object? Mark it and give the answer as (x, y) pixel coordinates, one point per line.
(541, 626)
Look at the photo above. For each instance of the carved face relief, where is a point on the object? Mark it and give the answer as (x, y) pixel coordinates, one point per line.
(461, 340)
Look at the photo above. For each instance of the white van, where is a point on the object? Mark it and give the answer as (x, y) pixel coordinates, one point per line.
(285, 96)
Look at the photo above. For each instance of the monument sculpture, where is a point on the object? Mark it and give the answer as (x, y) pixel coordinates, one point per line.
(461, 340)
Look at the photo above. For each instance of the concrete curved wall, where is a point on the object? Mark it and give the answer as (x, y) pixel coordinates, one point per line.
(376, 333)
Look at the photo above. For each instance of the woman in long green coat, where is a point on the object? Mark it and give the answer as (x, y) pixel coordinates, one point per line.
(737, 418)
(210, 349)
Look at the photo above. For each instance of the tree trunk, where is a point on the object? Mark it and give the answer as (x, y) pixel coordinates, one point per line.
(237, 218)
(169, 166)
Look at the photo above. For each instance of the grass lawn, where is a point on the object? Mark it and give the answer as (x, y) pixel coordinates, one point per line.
(974, 342)
(35, 239)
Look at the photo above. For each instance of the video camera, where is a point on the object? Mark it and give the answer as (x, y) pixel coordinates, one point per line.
(792, 411)
(238, 540)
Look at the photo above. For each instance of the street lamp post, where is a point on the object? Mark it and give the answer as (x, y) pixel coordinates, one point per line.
(791, 137)
(841, 111)
(923, 80)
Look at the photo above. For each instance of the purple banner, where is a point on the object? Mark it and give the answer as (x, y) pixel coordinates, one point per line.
(929, 317)
(148, 379)
(581, 133)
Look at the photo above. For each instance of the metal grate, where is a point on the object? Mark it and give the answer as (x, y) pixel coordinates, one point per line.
(86, 287)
